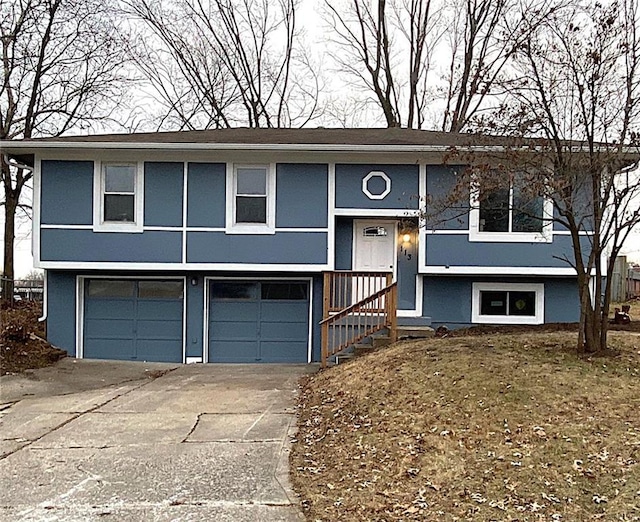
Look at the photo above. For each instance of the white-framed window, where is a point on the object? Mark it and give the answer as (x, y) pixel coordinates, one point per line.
(507, 214)
(251, 199)
(118, 196)
(507, 303)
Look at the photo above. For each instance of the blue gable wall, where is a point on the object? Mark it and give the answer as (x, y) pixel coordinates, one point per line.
(206, 195)
(301, 191)
(66, 192)
(405, 186)
(163, 194)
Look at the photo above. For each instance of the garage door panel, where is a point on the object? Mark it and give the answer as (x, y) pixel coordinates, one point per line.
(109, 309)
(160, 330)
(233, 330)
(243, 311)
(277, 310)
(234, 351)
(157, 350)
(108, 329)
(116, 349)
(283, 331)
(282, 351)
(152, 309)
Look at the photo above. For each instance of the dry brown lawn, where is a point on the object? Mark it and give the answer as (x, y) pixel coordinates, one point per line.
(494, 427)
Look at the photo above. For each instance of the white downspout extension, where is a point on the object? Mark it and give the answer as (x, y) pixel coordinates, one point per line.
(44, 299)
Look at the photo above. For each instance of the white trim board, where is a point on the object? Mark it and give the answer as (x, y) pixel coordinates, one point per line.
(377, 212)
(531, 271)
(253, 267)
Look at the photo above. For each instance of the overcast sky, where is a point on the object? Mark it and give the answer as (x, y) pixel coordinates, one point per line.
(309, 18)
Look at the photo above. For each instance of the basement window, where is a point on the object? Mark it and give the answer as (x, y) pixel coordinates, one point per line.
(508, 303)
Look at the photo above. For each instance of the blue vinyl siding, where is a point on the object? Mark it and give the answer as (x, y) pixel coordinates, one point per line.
(195, 315)
(163, 194)
(441, 180)
(61, 310)
(281, 248)
(255, 329)
(86, 245)
(404, 186)
(66, 192)
(302, 195)
(407, 270)
(448, 300)
(206, 195)
(457, 250)
(344, 243)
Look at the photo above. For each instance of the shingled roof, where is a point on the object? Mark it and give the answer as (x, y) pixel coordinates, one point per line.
(317, 136)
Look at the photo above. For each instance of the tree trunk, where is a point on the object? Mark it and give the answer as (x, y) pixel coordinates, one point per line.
(589, 333)
(10, 206)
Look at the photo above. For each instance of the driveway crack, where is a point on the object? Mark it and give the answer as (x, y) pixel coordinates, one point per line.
(80, 414)
(193, 428)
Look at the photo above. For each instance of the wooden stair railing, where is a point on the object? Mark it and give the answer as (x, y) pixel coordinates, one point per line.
(343, 288)
(359, 320)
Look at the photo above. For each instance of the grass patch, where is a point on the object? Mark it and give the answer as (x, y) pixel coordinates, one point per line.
(495, 427)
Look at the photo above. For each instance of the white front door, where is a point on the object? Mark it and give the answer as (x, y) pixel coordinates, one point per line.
(374, 248)
(373, 251)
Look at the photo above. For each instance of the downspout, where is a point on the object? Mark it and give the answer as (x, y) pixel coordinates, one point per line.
(44, 299)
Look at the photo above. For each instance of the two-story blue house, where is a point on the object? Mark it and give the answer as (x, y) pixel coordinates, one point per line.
(231, 245)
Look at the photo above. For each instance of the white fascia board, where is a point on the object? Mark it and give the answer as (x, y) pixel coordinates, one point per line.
(376, 212)
(531, 271)
(235, 267)
(11, 146)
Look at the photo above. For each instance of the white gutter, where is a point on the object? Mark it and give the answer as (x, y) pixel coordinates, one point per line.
(14, 146)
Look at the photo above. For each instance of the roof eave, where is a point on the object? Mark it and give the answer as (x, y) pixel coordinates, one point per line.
(31, 146)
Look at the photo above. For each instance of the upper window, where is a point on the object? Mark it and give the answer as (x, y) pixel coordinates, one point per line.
(508, 303)
(251, 199)
(508, 214)
(118, 197)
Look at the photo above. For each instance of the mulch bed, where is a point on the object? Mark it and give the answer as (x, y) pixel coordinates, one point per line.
(22, 343)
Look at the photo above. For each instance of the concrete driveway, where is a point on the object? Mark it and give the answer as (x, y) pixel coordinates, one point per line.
(93, 440)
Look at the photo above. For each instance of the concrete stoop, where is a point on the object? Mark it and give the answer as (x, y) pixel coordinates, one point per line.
(415, 332)
(369, 344)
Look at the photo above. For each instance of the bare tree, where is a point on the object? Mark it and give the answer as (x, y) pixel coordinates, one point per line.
(61, 71)
(376, 39)
(577, 93)
(388, 48)
(219, 63)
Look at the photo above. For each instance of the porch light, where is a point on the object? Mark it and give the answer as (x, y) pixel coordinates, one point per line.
(406, 238)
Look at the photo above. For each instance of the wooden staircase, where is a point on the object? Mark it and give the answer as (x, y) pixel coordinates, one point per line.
(356, 306)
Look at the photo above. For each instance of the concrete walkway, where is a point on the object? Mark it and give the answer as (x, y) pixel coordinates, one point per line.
(199, 442)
